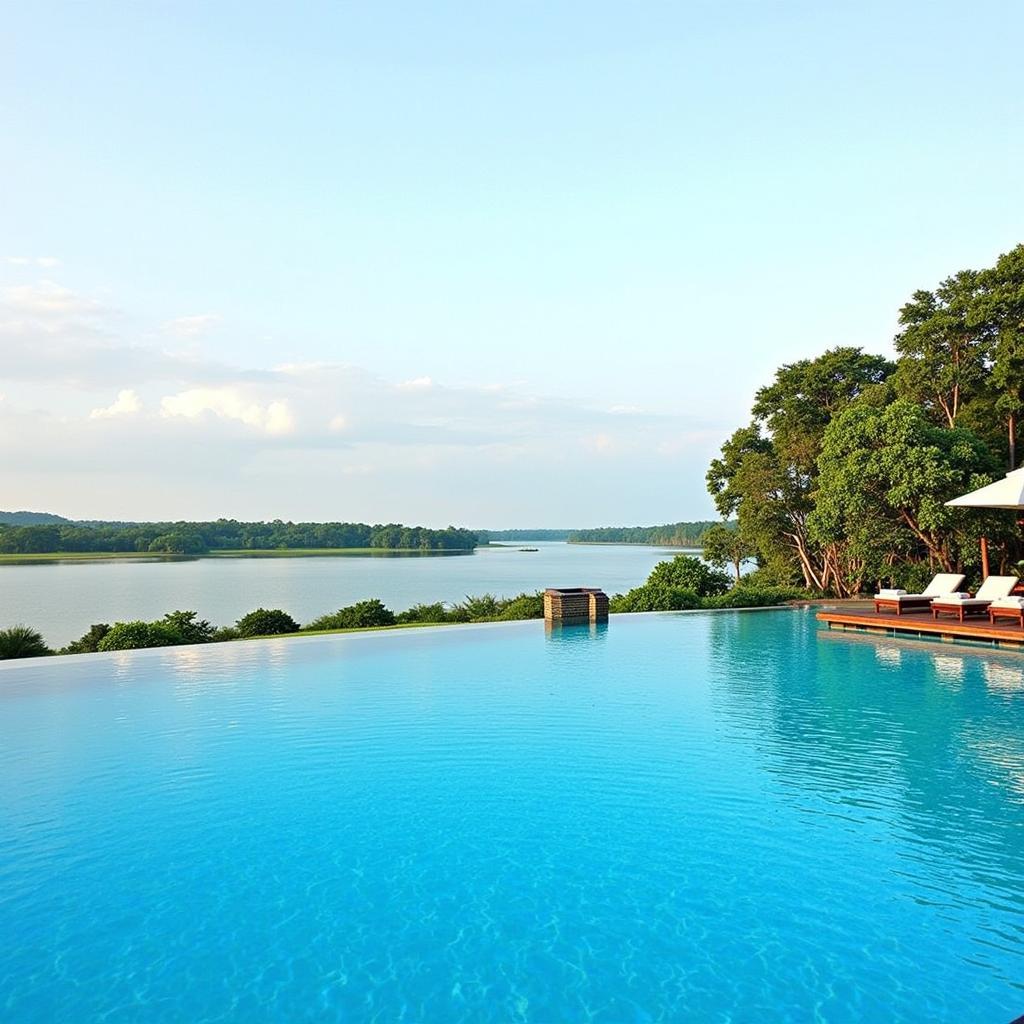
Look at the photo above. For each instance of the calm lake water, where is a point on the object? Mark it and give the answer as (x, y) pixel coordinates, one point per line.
(62, 600)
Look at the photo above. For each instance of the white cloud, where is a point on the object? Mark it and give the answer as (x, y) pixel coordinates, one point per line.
(52, 334)
(291, 434)
(46, 299)
(230, 403)
(126, 403)
(47, 262)
(191, 326)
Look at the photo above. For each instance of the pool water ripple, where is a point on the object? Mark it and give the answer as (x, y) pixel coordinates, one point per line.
(706, 817)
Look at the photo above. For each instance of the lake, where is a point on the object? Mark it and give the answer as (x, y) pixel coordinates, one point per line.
(63, 599)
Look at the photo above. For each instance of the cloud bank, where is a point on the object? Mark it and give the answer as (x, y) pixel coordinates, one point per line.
(100, 420)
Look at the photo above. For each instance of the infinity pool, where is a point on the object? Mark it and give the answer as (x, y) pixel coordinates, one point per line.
(706, 817)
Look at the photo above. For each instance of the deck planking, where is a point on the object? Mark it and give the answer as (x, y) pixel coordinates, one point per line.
(921, 624)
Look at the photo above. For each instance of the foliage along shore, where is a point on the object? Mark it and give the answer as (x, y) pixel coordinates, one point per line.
(682, 583)
(677, 535)
(840, 479)
(38, 536)
(162, 556)
(201, 538)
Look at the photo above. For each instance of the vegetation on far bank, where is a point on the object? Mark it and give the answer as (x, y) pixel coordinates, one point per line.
(226, 535)
(679, 535)
(839, 482)
(680, 583)
(156, 556)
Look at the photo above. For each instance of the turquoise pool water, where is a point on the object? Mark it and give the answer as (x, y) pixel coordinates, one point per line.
(683, 817)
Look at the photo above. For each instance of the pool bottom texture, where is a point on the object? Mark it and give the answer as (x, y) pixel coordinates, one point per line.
(707, 817)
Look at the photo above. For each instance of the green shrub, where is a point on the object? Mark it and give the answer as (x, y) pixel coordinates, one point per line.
(523, 606)
(225, 633)
(129, 636)
(481, 608)
(775, 574)
(745, 596)
(266, 622)
(188, 628)
(654, 598)
(88, 643)
(684, 572)
(22, 642)
(424, 613)
(361, 615)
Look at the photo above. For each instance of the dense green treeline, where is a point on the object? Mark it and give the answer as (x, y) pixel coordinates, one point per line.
(679, 535)
(227, 534)
(499, 535)
(839, 481)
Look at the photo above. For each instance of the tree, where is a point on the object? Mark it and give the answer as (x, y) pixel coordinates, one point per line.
(266, 622)
(944, 346)
(1000, 306)
(886, 475)
(806, 395)
(724, 545)
(22, 642)
(766, 475)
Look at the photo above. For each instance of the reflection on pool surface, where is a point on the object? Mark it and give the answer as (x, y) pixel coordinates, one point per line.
(708, 817)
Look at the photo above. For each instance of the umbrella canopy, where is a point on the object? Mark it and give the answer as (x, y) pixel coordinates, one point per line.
(1005, 493)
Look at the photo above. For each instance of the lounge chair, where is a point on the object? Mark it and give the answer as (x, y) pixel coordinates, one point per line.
(994, 588)
(1007, 608)
(900, 601)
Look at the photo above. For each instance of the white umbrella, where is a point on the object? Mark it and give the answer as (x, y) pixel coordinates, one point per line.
(1005, 493)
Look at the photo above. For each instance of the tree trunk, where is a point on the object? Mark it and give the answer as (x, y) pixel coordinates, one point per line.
(1011, 430)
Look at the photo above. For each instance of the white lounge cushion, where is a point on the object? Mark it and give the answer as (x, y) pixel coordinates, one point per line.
(955, 598)
(942, 584)
(1008, 602)
(997, 586)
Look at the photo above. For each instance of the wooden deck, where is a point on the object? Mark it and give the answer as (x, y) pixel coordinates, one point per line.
(864, 619)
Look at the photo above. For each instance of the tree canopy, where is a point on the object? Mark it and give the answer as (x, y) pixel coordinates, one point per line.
(841, 477)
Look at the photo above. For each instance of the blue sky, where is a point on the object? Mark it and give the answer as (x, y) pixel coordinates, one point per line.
(517, 264)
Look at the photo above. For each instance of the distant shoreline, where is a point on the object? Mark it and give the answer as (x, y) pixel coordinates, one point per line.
(636, 544)
(167, 556)
(50, 557)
